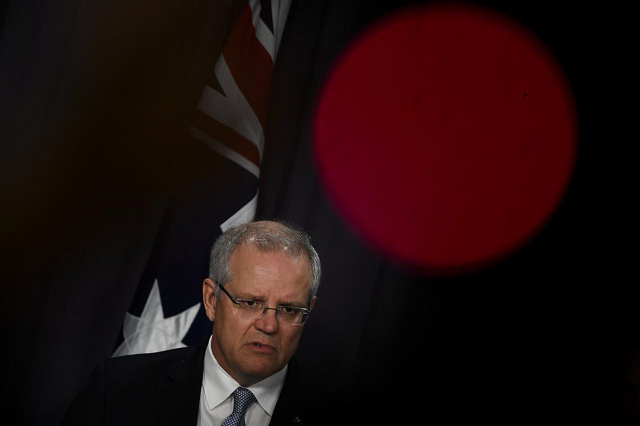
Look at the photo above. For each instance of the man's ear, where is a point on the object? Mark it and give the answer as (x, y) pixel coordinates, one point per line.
(313, 302)
(209, 298)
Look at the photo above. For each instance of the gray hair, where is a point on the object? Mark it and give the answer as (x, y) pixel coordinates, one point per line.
(276, 236)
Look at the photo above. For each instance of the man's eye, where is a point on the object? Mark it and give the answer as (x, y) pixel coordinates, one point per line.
(289, 310)
(249, 304)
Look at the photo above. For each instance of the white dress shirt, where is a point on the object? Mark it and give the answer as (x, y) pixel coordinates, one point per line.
(216, 402)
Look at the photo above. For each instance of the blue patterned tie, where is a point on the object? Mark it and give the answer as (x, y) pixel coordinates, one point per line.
(242, 399)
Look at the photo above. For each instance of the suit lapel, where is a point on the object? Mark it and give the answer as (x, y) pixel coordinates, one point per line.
(179, 388)
(295, 401)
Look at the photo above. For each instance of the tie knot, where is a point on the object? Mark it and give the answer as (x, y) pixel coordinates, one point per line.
(242, 399)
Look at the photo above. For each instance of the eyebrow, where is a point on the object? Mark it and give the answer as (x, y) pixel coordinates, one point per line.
(293, 304)
(246, 296)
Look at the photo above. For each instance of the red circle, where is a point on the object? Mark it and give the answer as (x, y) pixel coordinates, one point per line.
(446, 136)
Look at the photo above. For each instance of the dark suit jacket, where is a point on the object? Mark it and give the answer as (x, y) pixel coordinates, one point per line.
(164, 389)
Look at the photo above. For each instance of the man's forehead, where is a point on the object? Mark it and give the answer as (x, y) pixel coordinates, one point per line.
(246, 249)
(249, 246)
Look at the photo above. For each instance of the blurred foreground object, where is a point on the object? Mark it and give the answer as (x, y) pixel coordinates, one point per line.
(446, 136)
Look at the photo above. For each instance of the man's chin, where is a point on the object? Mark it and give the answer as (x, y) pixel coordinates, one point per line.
(259, 370)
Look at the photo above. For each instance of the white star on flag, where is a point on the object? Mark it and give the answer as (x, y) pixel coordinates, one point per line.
(152, 332)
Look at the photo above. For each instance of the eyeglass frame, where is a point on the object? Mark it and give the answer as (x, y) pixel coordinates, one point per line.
(305, 311)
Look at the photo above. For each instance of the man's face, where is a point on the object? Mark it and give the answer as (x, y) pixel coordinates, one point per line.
(251, 350)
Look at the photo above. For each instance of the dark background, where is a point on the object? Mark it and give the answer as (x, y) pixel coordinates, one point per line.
(88, 159)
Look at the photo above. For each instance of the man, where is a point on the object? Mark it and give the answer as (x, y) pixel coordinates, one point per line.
(262, 286)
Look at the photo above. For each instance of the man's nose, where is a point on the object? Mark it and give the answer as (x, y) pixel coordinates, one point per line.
(268, 323)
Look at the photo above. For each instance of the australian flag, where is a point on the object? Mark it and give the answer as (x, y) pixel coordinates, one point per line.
(216, 187)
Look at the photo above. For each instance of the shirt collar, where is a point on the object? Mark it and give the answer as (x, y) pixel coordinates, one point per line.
(219, 385)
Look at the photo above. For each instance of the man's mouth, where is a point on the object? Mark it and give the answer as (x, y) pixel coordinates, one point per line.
(262, 346)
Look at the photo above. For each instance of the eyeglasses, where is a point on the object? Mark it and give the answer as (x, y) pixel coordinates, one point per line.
(253, 310)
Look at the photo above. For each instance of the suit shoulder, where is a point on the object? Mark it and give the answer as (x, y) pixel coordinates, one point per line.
(134, 367)
(147, 359)
(126, 390)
